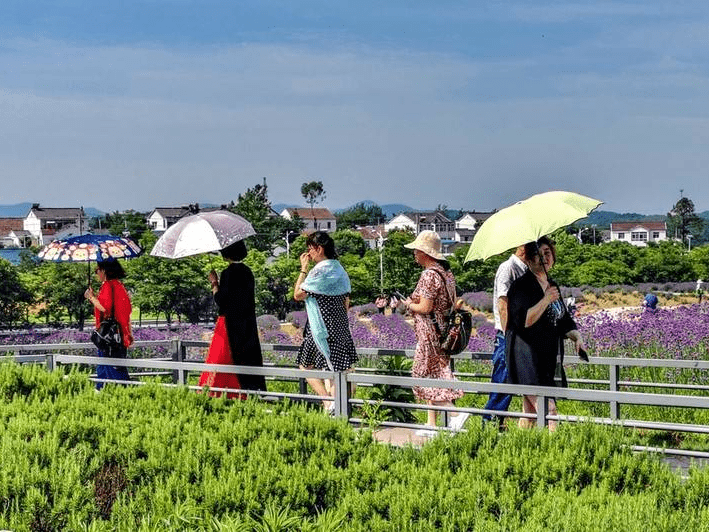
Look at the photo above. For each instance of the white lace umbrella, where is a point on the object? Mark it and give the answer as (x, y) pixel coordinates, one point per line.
(204, 232)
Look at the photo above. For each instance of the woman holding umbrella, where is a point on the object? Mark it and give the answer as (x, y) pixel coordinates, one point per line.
(112, 299)
(537, 324)
(235, 339)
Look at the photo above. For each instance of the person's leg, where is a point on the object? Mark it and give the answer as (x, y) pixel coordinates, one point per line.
(498, 401)
(318, 385)
(529, 406)
(432, 415)
(553, 424)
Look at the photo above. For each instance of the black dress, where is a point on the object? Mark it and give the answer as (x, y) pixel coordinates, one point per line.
(342, 349)
(236, 301)
(531, 352)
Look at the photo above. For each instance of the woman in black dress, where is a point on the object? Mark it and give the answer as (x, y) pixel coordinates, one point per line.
(327, 341)
(537, 325)
(234, 295)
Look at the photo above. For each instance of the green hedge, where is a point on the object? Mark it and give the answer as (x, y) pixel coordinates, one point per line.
(152, 458)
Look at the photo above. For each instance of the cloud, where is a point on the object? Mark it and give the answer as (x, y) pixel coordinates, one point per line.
(139, 127)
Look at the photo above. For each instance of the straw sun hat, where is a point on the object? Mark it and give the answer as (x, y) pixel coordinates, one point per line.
(429, 242)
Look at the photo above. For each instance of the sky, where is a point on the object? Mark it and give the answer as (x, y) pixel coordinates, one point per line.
(473, 105)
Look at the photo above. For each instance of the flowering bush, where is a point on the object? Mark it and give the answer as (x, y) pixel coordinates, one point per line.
(297, 318)
(680, 333)
(478, 300)
(268, 321)
(367, 309)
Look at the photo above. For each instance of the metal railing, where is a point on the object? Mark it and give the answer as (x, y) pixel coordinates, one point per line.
(177, 365)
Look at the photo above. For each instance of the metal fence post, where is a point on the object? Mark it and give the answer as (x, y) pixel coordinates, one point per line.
(51, 365)
(614, 377)
(342, 394)
(542, 410)
(178, 355)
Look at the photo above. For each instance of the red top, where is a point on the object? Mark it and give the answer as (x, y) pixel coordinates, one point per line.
(123, 307)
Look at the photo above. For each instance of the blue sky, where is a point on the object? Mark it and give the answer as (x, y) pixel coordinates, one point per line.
(474, 105)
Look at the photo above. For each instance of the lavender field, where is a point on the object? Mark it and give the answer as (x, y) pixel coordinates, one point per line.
(677, 333)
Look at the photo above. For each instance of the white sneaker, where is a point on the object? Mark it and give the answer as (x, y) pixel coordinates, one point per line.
(426, 433)
(457, 422)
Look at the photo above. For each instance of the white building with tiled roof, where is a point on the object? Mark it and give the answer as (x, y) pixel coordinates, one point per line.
(421, 221)
(44, 222)
(163, 217)
(317, 219)
(639, 233)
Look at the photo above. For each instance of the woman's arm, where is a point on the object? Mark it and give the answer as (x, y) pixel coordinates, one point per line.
(551, 294)
(419, 305)
(91, 296)
(298, 293)
(575, 336)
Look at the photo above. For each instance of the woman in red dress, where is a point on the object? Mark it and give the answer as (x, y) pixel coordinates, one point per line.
(235, 339)
(112, 299)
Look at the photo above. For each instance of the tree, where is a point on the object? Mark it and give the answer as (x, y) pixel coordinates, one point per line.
(14, 296)
(172, 287)
(313, 192)
(360, 214)
(255, 206)
(129, 223)
(682, 221)
(349, 242)
(400, 269)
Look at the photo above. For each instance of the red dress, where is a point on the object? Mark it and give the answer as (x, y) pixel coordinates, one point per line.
(220, 353)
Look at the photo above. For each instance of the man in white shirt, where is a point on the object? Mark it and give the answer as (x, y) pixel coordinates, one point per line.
(507, 272)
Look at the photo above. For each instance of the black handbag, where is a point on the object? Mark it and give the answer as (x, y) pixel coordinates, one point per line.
(108, 336)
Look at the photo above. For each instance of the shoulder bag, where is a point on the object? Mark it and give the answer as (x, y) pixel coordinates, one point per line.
(108, 335)
(457, 327)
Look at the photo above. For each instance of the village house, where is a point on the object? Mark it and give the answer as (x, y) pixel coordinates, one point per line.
(163, 217)
(12, 234)
(638, 233)
(44, 223)
(318, 219)
(421, 221)
(468, 224)
(372, 234)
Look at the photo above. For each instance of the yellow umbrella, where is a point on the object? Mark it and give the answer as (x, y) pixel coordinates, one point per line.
(527, 221)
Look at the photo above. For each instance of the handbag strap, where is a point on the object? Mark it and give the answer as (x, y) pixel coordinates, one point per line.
(113, 301)
(432, 314)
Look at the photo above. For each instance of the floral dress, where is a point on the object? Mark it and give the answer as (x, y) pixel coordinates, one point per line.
(429, 360)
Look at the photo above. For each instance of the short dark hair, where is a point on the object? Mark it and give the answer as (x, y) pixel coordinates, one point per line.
(112, 269)
(532, 248)
(325, 241)
(236, 251)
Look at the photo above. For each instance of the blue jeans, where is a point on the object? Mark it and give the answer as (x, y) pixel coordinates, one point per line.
(118, 373)
(498, 401)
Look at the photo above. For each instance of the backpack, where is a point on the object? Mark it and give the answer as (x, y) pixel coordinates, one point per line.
(458, 325)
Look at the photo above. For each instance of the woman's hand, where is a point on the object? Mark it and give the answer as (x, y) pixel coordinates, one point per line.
(304, 261)
(551, 294)
(575, 336)
(89, 293)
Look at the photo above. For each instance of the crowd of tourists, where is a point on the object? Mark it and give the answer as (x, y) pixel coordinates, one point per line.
(531, 323)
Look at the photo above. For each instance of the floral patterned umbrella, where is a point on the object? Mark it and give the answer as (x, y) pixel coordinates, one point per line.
(86, 248)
